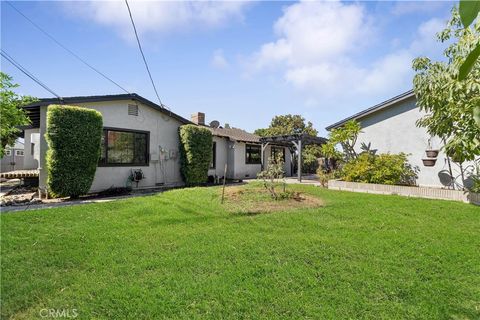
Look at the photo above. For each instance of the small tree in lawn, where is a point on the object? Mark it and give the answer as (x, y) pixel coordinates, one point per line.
(12, 114)
(450, 103)
(272, 174)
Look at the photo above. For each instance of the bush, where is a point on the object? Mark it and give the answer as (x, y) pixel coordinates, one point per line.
(195, 153)
(324, 176)
(73, 136)
(392, 169)
(273, 172)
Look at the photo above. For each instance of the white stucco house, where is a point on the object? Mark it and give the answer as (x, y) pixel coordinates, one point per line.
(390, 128)
(153, 134)
(154, 140)
(240, 150)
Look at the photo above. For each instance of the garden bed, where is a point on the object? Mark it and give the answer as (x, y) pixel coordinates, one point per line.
(254, 199)
(419, 192)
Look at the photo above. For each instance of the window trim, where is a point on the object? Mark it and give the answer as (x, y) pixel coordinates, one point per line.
(147, 151)
(8, 152)
(247, 145)
(214, 155)
(19, 151)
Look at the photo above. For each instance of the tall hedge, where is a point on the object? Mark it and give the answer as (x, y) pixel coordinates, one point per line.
(195, 153)
(73, 136)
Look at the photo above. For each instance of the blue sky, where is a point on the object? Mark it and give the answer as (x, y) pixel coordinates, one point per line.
(239, 62)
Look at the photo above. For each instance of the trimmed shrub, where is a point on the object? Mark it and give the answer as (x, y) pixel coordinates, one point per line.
(73, 136)
(195, 153)
(392, 169)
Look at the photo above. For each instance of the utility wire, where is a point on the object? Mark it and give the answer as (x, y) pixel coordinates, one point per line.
(66, 49)
(143, 55)
(28, 73)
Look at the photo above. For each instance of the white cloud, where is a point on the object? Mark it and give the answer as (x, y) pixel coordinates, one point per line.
(218, 60)
(409, 7)
(318, 47)
(159, 16)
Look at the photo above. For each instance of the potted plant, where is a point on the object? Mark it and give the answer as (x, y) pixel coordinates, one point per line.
(429, 162)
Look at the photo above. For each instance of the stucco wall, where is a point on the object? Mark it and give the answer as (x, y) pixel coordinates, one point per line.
(17, 160)
(393, 130)
(164, 165)
(221, 157)
(31, 161)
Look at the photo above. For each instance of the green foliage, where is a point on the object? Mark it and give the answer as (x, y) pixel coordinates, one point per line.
(448, 102)
(73, 136)
(195, 153)
(468, 11)
(385, 168)
(295, 124)
(271, 174)
(345, 136)
(324, 176)
(11, 112)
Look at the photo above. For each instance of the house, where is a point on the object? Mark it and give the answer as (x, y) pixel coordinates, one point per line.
(13, 158)
(150, 130)
(391, 127)
(240, 150)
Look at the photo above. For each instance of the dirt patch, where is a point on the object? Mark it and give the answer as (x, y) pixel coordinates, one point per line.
(256, 200)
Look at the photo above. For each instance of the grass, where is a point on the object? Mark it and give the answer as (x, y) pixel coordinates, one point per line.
(180, 254)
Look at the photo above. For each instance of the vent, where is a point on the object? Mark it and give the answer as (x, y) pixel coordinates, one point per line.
(132, 110)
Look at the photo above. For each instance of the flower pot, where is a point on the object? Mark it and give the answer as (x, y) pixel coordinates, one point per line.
(432, 153)
(429, 162)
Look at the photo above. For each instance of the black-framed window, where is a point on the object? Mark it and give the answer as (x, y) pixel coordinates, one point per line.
(276, 151)
(252, 154)
(214, 155)
(122, 147)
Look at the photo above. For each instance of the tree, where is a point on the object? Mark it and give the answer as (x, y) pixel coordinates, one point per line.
(295, 124)
(346, 136)
(469, 10)
(12, 115)
(448, 101)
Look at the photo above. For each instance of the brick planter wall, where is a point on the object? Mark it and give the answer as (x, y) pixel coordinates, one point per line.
(418, 192)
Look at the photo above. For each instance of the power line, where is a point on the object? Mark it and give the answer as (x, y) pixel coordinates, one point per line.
(27, 73)
(66, 49)
(143, 56)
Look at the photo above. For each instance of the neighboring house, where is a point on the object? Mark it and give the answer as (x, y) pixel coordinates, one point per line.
(391, 127)
(240, 150)
(151, 130)
(13, 158)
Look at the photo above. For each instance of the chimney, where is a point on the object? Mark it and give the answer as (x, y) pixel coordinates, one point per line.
(198, 118)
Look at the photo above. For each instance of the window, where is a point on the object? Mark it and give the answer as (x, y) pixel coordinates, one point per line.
(214, 156)
(32, 148)
(252, 154)
(19, 152)
(8, 152)
(276, 152)
(122, 147)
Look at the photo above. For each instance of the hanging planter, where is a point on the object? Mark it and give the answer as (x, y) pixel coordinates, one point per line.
(429, 162)
(432, 153)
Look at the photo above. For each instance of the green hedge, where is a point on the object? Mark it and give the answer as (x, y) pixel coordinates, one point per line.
(73, 136)
(385, 168)
(195, 153)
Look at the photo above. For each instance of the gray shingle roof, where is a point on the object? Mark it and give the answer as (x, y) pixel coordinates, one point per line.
(235, 134)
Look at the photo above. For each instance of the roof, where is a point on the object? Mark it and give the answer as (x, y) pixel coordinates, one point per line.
(381, 106)
(32, 108)
(235, 134)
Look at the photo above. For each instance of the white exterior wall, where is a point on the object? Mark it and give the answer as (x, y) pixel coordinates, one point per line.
(221, 157)
(393, 130)
(163, 140)
(31, 161)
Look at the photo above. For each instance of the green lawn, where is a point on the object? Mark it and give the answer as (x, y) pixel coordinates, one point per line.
(179, 254)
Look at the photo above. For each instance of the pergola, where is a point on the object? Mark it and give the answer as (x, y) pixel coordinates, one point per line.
(298, 141)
